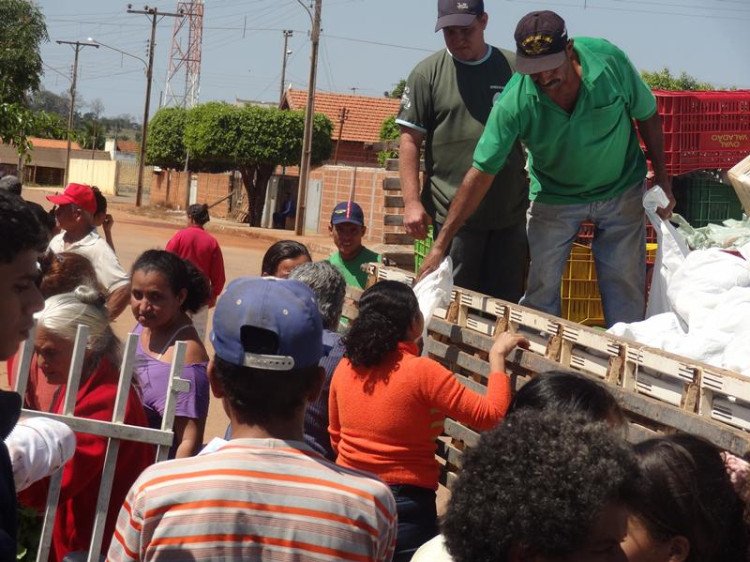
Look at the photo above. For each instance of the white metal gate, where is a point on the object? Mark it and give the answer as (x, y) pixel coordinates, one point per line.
(115, 430)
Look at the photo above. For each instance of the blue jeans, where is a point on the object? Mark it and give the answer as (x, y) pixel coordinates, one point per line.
(492, 262)
(619, 249)
(417, 519)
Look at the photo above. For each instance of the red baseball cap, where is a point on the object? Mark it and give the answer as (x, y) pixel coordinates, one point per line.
(76, 194)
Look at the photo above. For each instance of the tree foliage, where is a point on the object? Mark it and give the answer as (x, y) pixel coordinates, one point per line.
(22, 31)
(253, 140)
(663, 80)
(397, 91)
(389, 130)
(166, 144)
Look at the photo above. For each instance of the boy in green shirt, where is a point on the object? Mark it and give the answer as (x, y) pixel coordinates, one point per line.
(347, 229)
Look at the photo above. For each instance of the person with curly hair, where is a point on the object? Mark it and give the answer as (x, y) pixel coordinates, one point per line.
(387, 405)
(542, 486)
(165, 288)
(556, 391)
(81, 477)
(688, 511)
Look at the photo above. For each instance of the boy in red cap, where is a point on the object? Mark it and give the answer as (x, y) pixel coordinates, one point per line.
(347, 229)
(75, 215)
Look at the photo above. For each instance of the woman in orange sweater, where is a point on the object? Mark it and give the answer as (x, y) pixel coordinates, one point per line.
(387, 405)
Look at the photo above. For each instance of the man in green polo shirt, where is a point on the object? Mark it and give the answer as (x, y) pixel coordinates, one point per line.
(572, 103)
(447, 100)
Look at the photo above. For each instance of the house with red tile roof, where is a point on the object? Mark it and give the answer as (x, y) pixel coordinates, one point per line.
(356, 122)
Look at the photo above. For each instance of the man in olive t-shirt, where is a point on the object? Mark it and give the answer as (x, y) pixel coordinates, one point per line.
(446, 102)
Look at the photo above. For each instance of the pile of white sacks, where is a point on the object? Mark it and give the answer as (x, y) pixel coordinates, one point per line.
(699, 303)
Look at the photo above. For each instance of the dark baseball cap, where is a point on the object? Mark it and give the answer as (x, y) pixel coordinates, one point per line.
(541, 38)
(458, 13)
(348, 211)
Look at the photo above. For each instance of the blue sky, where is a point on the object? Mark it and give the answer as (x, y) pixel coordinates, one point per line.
(367, 45)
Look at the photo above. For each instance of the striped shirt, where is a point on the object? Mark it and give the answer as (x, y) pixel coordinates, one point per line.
(255, 499)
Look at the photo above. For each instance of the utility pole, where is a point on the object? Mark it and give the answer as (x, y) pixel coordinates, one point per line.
(77, 45)
(154, 14)
(287, 34)
(343, 116)
(304, 170)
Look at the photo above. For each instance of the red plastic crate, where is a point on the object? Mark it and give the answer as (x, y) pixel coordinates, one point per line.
(704, 130)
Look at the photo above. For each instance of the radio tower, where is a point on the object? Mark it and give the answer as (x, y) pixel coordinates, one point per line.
(188, 58)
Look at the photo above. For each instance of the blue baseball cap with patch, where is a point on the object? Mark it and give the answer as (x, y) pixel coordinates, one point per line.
(268, 323)
(348, 211)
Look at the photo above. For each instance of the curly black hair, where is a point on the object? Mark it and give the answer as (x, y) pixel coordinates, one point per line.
(258, 397)
(538, 480)
(19, 228)
(687, 492)
(386, 312)
(180, 273)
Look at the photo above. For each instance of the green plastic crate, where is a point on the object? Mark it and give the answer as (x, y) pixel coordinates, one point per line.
(703, 199)
(421, 249)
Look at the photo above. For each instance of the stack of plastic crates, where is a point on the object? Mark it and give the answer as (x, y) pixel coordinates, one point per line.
(702, 198)
(704, 130)
(580, 298)
(421, 249)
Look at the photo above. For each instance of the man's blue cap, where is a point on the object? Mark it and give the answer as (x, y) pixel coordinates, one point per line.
(285, 308)
(348, 211)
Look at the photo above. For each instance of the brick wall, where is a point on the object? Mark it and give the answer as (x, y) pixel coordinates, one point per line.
(367, 186)
(168, 189)
(354, 154)
(127, 176)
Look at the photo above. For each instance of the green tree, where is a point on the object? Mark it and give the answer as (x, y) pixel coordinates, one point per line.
(663, 80)
(166, 144)
(389, 130)
(253, 140)
(22, 30)
(397, 91)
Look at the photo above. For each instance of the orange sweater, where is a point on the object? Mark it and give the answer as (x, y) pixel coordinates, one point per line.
(385, 419)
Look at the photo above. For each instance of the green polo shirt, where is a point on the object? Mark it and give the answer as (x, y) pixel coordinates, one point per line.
(352, 269)
(591, 154)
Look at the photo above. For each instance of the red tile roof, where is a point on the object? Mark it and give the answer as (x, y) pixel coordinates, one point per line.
(53, 143)
(364, 118)
(129, 146)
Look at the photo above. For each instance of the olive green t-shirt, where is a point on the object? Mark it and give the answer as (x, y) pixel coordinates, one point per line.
(591, 154)
(449, 102)
(352, 269)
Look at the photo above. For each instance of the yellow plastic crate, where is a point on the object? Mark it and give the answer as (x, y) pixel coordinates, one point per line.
(580, 298)
(579, 290)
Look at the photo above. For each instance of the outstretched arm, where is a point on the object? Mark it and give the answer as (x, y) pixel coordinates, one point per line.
(471, 192)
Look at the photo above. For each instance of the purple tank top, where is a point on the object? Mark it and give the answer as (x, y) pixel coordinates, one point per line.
(153, 376)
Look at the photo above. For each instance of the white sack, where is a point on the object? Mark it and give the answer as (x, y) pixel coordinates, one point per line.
(434, 290)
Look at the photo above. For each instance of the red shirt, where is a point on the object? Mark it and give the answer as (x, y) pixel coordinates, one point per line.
(202, 250)
(82, 475)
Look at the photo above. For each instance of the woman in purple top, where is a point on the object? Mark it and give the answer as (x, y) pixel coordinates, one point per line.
(164, 289)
